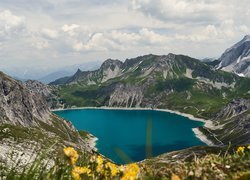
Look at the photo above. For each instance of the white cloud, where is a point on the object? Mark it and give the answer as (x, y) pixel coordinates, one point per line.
(151, 37)
(80, 30)
(244, 29)
(10, 20)
(179, 11)
(117, 40)
(70, 29)
(98, 42)
(50, 33)
(10, 24)
(125, 38)
(40, 44)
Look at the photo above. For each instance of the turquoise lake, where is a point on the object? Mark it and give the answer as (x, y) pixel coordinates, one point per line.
(128, 131)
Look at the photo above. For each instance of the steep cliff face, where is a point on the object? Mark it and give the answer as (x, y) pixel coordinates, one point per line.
(126, 96)
(27, 125)
(18, 106)
(25, 108)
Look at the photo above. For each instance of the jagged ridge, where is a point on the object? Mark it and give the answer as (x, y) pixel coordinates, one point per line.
(236, 59)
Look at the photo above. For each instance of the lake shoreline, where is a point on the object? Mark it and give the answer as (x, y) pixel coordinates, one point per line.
(197, 132)
(202, 137)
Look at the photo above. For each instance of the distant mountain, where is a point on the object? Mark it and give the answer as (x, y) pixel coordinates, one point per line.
(26, 72)
(170, 81)
(69, 71)
(206, 60)
(213, 62)
(48, 73)
(55, 75)
(237, 58)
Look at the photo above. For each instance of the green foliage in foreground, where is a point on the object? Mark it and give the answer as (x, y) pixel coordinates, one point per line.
(235, 165)
(211, 166)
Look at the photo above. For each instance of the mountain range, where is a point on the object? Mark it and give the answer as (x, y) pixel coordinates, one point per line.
(154, 81)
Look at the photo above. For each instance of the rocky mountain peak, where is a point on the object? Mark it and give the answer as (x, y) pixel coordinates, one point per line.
(246, 38)
(78, 71)
(77, 75)
(110, 63)
(237, 58)
(171, 55)
(110, 69)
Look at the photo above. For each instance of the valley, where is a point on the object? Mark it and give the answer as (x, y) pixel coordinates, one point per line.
(172, 82)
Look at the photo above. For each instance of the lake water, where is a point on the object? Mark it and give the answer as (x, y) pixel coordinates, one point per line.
(129, 134)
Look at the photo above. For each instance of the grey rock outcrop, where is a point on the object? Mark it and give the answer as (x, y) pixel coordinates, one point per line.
(27, 126)
(231, 125)
(234, 108)
(46, 91)
(18, 106)
(40, 88)
(25, 108)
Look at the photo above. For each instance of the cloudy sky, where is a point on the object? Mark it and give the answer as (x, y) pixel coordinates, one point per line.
(38, 33)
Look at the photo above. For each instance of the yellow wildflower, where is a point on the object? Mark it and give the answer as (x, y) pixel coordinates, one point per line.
(73, 160)
(248, 147)
(131, 172)
(175, 177)
(72, 154)
(99, 160)
(113, 168)
(81, 170)
(240, 149)
(76, 176)
(100, 169)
